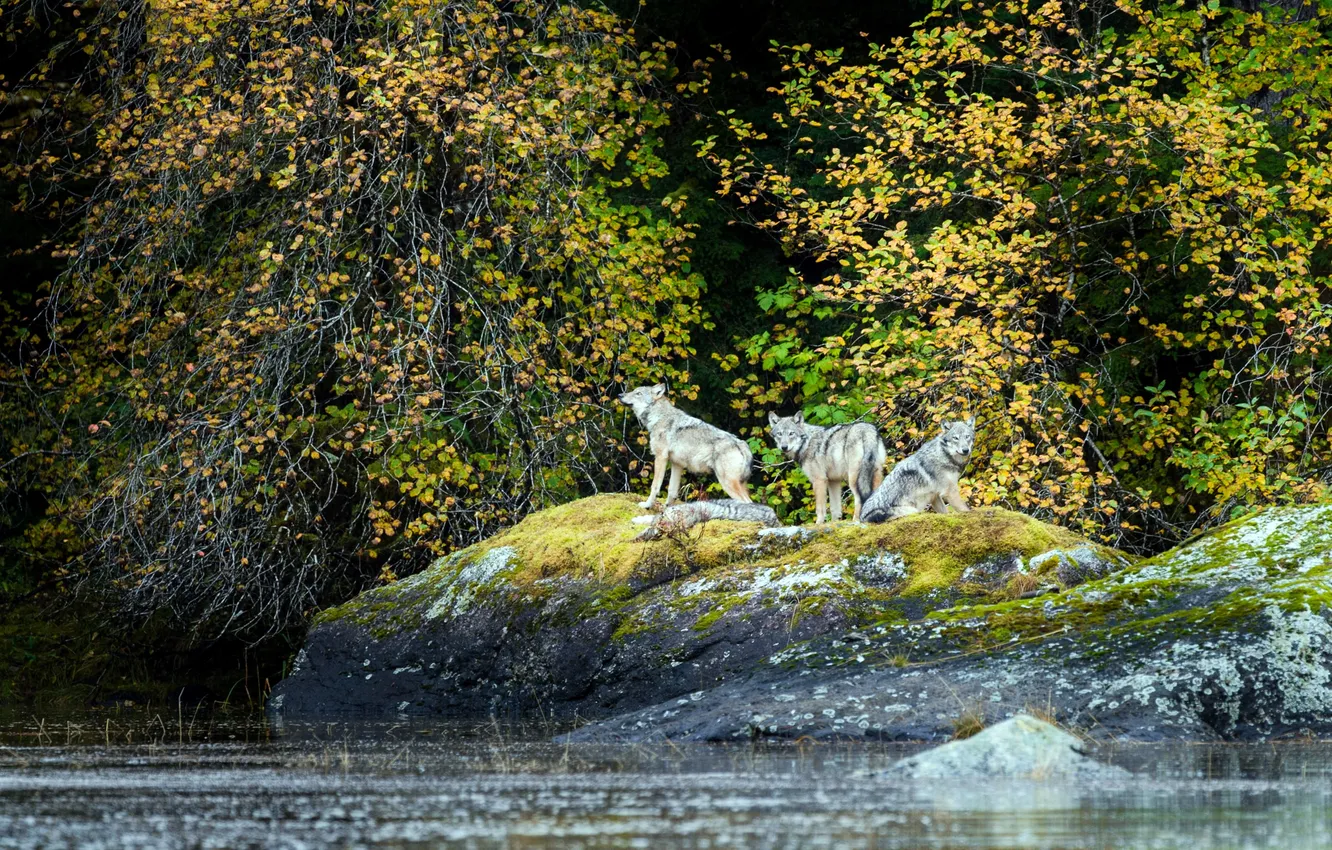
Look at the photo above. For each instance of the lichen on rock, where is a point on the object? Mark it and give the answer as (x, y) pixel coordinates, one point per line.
(566, 602)
(455, 594)
(845, 631)
(1227, 637)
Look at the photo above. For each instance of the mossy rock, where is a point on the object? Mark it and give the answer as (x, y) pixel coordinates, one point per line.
(1228, 637)
(1278, 560)
(566, 612)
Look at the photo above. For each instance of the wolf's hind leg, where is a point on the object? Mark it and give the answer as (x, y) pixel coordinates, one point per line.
(856, 505)
(733, 469)
(835, 500)
(658, 476)
(735, 488)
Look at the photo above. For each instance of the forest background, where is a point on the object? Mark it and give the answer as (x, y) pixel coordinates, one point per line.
(301, 295)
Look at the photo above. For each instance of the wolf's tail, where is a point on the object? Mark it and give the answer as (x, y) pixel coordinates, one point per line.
(649, 533)
(870, 464)
(874, 513)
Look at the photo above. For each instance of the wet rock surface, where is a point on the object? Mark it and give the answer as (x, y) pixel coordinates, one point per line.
(890, 632)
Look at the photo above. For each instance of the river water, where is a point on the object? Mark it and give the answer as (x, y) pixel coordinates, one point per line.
(136, 781)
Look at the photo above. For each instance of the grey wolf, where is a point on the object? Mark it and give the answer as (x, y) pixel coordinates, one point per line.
(690, 514)
(926, 479)
(842, 454)
(680, 441)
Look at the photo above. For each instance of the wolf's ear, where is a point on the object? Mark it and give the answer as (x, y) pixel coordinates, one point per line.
(773, 417)
(799, 417)
(971, 422)
(658, 390)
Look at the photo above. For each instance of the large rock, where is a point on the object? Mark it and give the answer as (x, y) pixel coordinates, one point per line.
(565, 615)
(889, 631)
(1228, 637)
(1022, 747)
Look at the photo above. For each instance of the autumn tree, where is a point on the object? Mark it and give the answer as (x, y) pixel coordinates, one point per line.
(1079, 220)
(345, 284)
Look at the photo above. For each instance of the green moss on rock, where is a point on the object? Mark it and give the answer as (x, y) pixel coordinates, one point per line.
(586, 549)
(1274, 560)
(1229, 635)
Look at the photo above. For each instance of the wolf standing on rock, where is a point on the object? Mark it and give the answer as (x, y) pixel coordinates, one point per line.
(926, 479)
(682, 442)
(831, 457)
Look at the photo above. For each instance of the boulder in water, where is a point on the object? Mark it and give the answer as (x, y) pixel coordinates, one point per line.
(1022, 747)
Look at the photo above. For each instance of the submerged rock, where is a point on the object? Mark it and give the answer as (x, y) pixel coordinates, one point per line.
(566, 615)
(1020, 747)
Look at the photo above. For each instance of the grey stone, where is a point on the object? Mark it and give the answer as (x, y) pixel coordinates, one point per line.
(565, 615)
(1226, 638)
(855, 632)
(1021, 747)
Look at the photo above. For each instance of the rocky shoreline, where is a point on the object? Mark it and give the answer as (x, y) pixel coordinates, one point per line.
(899, 631)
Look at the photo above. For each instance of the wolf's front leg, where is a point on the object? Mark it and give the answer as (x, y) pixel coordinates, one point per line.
(674, 490)
(955, 500)
(940, 507)
(820, 499)
(658, 476)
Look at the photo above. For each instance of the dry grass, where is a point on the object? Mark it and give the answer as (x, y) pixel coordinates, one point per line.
(1048, 713)
(1021, 583)
(967, 724)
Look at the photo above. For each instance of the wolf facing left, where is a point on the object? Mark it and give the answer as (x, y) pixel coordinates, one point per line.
(682, 442)
(926, 479)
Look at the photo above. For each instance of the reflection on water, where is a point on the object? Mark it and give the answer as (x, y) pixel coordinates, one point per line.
(156, 781)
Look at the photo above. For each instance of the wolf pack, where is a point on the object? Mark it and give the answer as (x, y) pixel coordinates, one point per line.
(832, 457)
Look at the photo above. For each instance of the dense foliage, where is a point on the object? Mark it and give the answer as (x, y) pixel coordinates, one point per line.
(352, 285)
(1101, 226)
(332, 287)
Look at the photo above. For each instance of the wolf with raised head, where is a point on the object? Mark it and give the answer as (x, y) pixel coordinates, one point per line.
(842, 454)
(680, 441)
(690, 514)
(926, 479)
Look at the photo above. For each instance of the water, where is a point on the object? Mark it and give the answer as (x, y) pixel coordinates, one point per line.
(116, 781)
